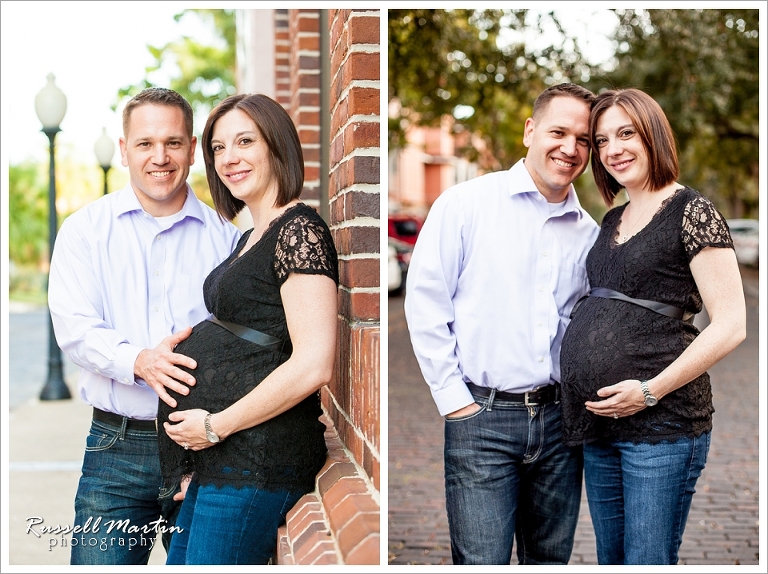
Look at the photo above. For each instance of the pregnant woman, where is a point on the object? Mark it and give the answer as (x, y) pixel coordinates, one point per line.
(248, 432)
(635, 390)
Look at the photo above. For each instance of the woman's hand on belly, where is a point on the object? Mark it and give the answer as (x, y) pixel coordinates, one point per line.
(189, 430)
(621, 400)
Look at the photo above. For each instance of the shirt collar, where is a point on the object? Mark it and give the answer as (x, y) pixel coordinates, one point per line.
(520, 181)
(128, 202)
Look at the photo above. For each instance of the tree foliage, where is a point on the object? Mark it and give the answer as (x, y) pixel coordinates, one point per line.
(205, 74)
(702, 68)
(27, 213)
(700, 65)
(465, 64)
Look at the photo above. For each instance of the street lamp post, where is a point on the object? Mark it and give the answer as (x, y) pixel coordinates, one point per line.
(105, 149)
(51, 105)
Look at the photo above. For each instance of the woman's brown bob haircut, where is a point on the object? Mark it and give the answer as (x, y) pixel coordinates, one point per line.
(279, 133)
(654, 130)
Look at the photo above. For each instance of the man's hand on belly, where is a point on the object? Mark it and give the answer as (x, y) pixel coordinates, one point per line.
(158, 367)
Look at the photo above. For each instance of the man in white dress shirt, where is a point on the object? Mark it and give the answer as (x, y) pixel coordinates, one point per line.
(495, 272)
(126, 285)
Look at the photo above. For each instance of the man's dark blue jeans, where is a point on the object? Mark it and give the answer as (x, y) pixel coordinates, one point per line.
(509, 477)
(121, 489)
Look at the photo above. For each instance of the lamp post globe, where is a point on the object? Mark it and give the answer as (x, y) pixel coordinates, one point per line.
(50, 106)
(105, 150)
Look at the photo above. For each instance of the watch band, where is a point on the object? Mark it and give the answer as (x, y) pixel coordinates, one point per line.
(650, 400)
(210, 435)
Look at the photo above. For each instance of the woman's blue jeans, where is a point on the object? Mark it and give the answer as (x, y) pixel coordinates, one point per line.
(229, 525)
(639, 497)
(508, 476)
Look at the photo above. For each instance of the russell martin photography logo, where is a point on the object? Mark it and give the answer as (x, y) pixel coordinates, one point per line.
(103, 534)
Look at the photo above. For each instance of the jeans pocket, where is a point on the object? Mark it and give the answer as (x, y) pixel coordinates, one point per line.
(100, 439)
(467, 417)
(167, 491)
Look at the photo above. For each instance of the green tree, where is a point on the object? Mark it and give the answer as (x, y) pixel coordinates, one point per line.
(27, 213)
(702, 66)
(465, 64)
(205, 74)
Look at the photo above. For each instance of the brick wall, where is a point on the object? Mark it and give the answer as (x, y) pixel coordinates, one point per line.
(282, 55)
(304, 87)
(355, 205)
(339, 523)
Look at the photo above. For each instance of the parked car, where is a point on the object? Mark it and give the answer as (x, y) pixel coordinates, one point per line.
(746, 240)
(404, 227)
(398, 259)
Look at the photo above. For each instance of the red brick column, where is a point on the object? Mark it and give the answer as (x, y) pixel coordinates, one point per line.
(355, 158)
(339, 523)
(355, 211)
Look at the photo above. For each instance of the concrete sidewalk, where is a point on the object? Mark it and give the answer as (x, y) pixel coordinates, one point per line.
(46, 443)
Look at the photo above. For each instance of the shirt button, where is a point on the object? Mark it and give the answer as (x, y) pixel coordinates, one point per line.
(157, 238)
(156, 309)
(541, 359)
(544, 254)
(540, 324)
(157, 273)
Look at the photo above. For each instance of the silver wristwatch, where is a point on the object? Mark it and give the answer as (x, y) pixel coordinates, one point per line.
(650, 400)
(209, 434)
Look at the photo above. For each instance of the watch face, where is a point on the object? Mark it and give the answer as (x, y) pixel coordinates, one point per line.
(651, 401)
(212, 437)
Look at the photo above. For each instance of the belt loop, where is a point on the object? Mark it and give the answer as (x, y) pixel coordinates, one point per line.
(123, 428)
(490, 399)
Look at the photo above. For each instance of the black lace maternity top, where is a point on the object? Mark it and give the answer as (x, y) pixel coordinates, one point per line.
(609, 340)
(289, 449)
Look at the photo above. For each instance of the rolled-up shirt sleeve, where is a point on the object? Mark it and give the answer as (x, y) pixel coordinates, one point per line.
(78, 312)
(432, 280)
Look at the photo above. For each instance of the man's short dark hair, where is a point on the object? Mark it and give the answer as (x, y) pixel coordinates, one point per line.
(564, 89)
(282, 139)
(160, 97)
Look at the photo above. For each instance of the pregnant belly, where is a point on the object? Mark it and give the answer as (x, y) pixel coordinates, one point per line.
(611, 341)
(227, 368)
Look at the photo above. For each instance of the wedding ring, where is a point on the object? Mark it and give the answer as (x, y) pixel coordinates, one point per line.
(186, 446)
(615, 415)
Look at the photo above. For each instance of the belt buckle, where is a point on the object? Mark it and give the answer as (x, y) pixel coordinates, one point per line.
(527, 402)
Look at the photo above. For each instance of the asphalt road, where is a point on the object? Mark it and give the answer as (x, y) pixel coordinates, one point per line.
(722, 526)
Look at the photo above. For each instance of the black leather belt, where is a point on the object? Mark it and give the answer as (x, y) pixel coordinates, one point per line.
(548, 394)
(117, 421)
